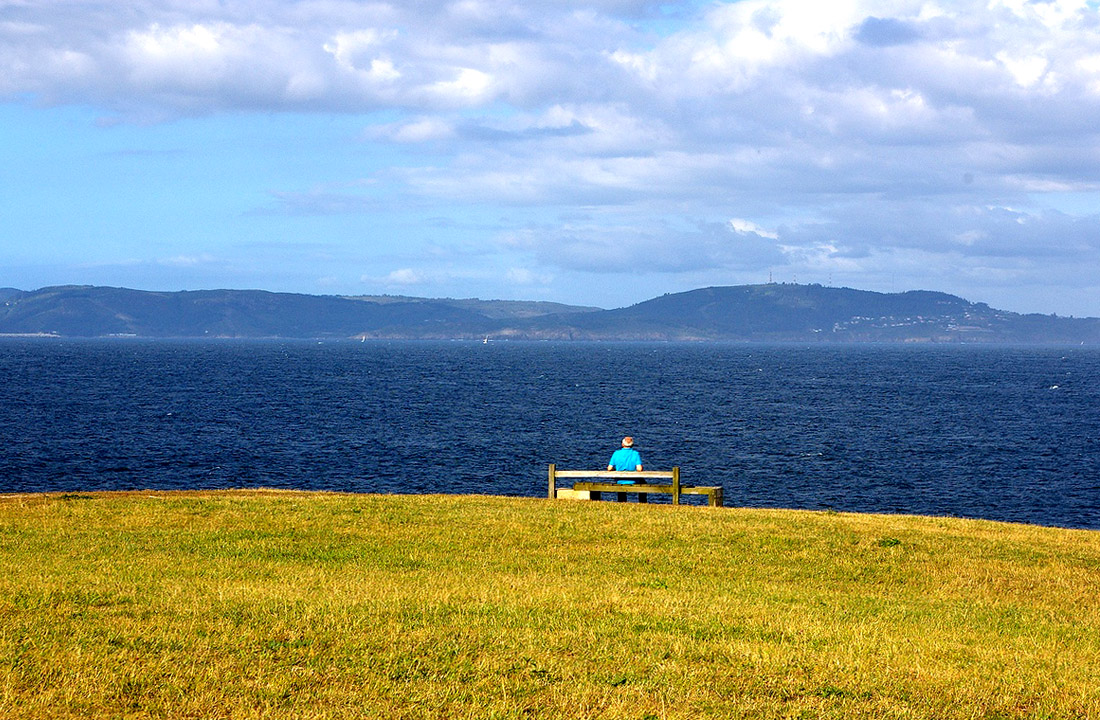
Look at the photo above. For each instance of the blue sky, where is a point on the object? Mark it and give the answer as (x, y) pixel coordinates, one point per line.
(596, 153)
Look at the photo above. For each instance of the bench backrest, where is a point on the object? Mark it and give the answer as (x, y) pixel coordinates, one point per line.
(673, 475)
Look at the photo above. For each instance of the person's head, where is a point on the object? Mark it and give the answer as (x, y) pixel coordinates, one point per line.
(628, 441)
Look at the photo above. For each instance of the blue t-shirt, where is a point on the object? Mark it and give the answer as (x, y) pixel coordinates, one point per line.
(625, 459)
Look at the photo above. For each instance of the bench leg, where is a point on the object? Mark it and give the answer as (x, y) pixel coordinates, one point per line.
(596, 495)
(622, 496)
(643, 497)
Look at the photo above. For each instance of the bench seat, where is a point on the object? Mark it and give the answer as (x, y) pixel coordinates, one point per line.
(601, 481)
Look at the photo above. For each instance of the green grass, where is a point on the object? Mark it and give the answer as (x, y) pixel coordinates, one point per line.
(254, 604)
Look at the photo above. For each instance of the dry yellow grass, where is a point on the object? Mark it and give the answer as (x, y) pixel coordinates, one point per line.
(252, 604)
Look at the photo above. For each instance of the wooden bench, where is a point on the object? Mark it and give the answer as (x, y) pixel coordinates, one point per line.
(606, 481)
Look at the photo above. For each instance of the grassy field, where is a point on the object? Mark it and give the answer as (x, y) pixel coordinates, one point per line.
(252, 604)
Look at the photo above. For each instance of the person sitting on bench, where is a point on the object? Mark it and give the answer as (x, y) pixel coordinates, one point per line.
(626, 458)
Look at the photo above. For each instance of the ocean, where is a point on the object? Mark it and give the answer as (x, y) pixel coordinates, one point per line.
(996, 432)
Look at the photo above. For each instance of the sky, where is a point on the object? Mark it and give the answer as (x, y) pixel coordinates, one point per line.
(595, 153)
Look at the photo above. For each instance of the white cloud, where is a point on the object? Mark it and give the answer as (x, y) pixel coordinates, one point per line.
(527, 276)
(1051, 13)
(405, 276)
(190, 56)
(1026, 70)
(748, 227)
(419, 130)
(469, 87)
(348, 47)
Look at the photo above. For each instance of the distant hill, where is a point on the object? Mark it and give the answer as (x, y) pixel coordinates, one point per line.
(771, 312)
(781, 312)
(86, 311)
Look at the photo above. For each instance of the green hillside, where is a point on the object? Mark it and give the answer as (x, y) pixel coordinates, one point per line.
(253, 604)
(813, 313)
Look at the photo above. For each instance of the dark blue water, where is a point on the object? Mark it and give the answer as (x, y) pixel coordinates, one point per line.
(1004, 433)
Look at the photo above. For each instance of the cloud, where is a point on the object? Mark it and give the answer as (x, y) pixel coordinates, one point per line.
(527, 276)
(418, 130)
(602, 247)
(405, 276)
(733, 136)
(952, 241)
(747, 227)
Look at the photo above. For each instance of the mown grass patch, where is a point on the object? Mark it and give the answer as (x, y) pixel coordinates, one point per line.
(279, 604)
